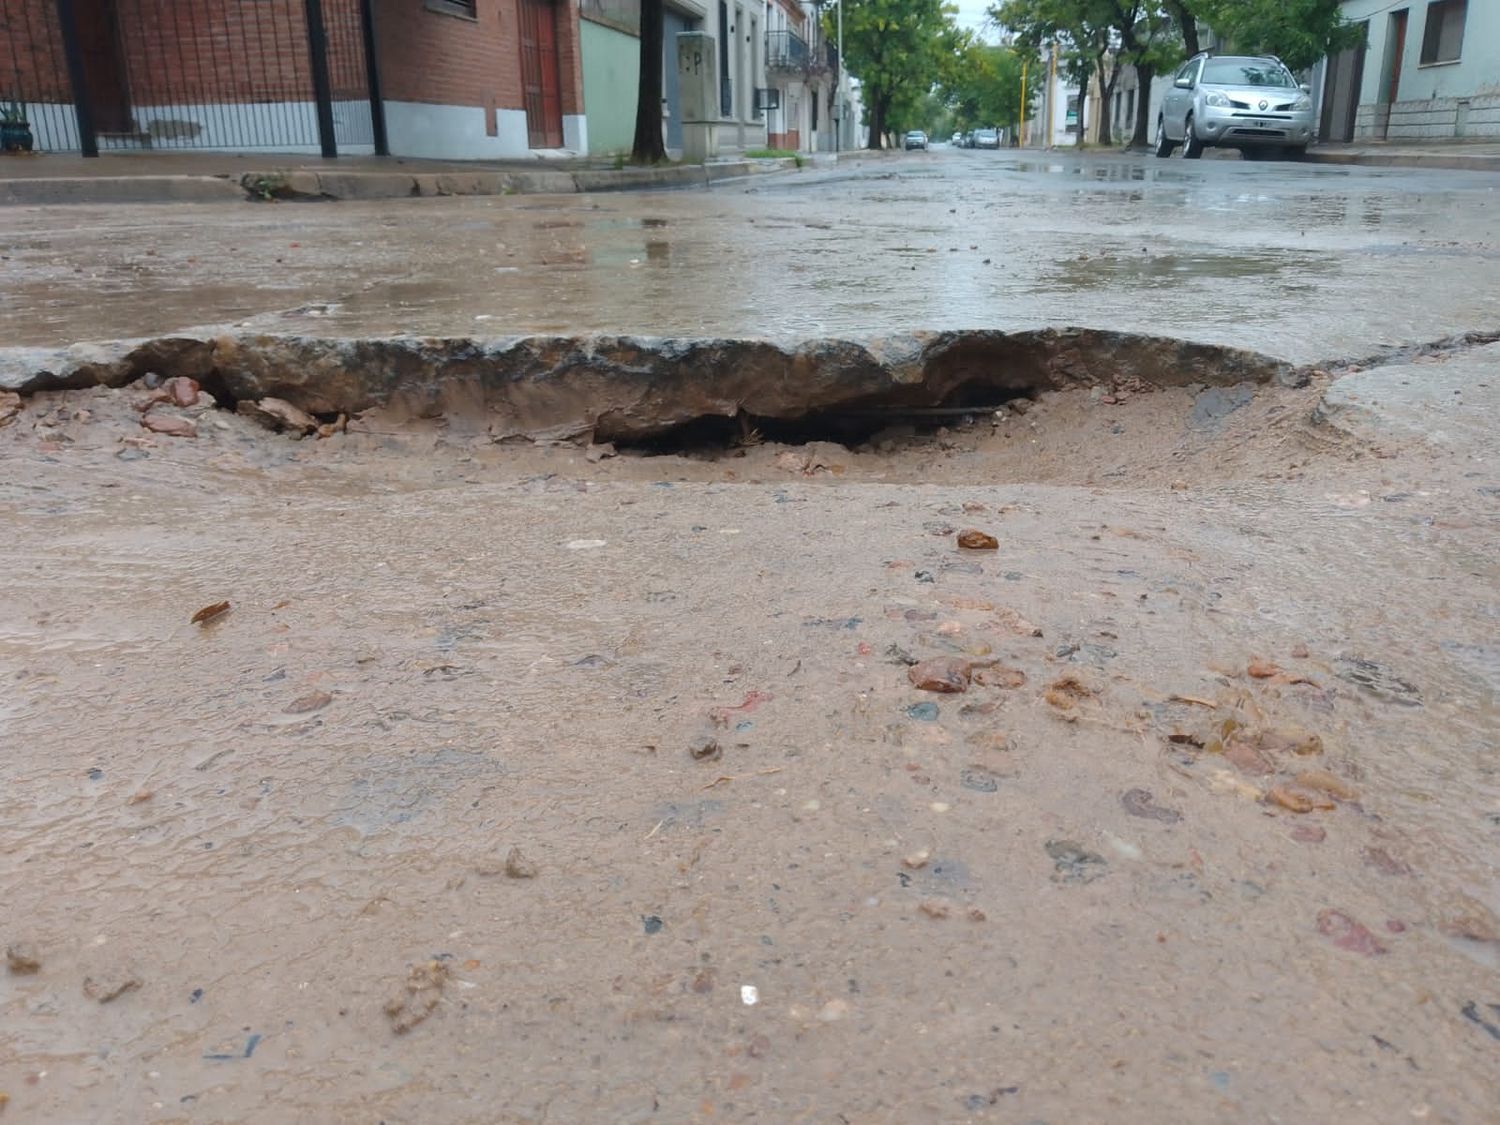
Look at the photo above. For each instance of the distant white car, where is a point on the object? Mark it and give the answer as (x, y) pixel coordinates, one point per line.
(915, 139)
(986, 138)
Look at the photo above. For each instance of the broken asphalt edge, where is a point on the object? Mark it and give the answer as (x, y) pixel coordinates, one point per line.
(1445, 160)
(633, 387)
(305, 185)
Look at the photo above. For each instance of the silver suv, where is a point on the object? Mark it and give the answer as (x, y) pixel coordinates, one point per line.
(1233, 101)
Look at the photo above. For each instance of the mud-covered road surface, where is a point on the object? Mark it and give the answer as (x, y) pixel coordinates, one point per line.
(529, 782)
(518, 787)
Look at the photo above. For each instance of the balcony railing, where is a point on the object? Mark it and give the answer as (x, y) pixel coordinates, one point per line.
(788, 51)
(785, 50)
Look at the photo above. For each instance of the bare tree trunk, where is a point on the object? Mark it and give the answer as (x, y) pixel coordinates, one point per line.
(1187, 22)
(1108, 76)
(648, 147)
(1143, 76)
(878, 106)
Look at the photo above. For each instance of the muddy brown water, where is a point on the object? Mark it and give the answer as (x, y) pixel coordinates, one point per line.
(290, 825)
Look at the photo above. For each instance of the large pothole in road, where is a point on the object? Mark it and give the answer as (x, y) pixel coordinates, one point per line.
(654, 394)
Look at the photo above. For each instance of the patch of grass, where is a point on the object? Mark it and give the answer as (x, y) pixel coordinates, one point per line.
(266, 187)
(773, 154)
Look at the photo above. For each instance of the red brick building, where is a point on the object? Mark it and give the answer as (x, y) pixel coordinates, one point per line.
(435, 78)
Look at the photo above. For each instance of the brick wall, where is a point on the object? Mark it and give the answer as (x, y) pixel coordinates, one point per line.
(429, 56)
(215, 51)
(32, 66)
(256, 51)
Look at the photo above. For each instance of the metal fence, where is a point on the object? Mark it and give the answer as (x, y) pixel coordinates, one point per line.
(785, 50)
(292, 75)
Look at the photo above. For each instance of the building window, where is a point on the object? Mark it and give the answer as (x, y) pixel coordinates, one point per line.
(465, 8)
(1443, 41)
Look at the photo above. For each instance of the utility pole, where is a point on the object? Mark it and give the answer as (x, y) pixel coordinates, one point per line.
(838, 93)
(1051, 96)
(1021, 128)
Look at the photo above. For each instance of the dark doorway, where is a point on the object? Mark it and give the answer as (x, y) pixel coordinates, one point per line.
(726, 87)
(541, 82)
(104, 65)
(1395, 52)
(1346, 73)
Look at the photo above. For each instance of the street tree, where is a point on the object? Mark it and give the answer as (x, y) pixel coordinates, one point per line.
(648, 146)
(981, 83)
(1084, 35)
(893, 46)
(1299, 32)
(1100, 36)
(1150, 41)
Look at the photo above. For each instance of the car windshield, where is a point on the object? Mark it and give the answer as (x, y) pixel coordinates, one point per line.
(986, 132)
(1244, 72)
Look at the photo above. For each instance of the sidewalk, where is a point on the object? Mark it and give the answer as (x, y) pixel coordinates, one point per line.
(1472, 156)
(209, 177)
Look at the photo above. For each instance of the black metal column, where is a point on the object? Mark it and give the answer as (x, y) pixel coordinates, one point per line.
(372, 76)
(88, 140)
(317, 50)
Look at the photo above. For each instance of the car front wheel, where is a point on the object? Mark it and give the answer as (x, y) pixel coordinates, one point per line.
(1164, 147)
(1192, 147)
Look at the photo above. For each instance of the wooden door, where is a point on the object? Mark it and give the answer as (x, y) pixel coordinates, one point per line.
(1398, 52)
(541, 82)
(98, 28)
(1341, 84)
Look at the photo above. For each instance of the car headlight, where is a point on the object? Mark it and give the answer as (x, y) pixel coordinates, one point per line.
(1302, 102)
(1216, 99)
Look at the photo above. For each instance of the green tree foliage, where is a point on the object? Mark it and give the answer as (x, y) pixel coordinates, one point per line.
(894, 48)
(1299, 32)
(1101, 35)
(980, 83)
(1084, 34)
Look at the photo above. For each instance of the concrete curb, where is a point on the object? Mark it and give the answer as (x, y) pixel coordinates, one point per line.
(305, 185)
(120, 189)
(1405, 160)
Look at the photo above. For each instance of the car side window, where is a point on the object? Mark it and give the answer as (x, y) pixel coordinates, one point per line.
(1189, 71)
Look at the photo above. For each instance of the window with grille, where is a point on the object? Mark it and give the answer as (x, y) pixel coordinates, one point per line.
(1443, 39)
(465, 8)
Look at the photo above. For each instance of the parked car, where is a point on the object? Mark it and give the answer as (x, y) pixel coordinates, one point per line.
(956, 140)
(986, 138)
(915, 139)
(1248, 102)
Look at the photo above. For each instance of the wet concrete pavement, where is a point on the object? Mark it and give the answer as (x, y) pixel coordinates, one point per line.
(1216, 841)
(1210, 834)
(1304, 262)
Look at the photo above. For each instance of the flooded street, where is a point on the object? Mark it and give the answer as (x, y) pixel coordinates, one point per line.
(1266, 256)
(541, 782)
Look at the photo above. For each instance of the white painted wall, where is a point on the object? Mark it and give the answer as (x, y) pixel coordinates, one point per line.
(1434, 101)
(1477, 70)
(454, 132)
(575, 132)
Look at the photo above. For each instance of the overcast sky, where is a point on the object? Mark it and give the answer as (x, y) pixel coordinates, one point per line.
(971, 14)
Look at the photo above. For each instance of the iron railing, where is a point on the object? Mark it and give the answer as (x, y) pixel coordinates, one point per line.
(788, 51)
(161, 74)
(785, 50)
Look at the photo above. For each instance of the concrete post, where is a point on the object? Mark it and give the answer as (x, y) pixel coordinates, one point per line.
(698, 95)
